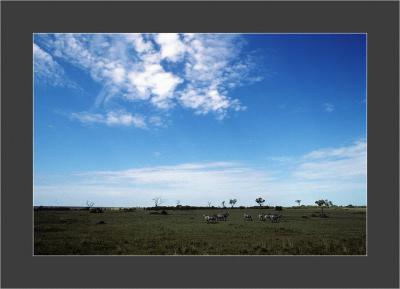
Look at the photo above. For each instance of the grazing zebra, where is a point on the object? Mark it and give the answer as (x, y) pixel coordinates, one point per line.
(262, 217)
(210, 219)
(222, 217)
(247, 217)
(273, 217)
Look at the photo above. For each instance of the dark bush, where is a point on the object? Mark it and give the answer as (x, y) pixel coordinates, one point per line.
(44, 208)
(278, 208)
(96, 210)
(128, 209)
(163, 212)
(259, 207)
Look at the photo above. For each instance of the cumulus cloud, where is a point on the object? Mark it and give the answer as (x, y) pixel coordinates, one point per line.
(195, 71)
(171, 46)
(154, 81)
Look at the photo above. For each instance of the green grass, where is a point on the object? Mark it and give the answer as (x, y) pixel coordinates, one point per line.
(186, 233)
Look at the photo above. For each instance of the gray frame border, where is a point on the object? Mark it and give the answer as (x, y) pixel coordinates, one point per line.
(378, 270)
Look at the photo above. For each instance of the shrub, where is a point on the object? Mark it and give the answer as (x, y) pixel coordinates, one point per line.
(96, 210)
(278, 208)
(163, 212)
(128, 209)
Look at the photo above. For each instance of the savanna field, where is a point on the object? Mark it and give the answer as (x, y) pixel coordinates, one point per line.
(184, 232)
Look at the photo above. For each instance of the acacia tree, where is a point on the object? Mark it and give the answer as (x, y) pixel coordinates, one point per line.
(223, 204)
(232, 202)
(322, 204)
(89, 205)
(298, 202)
(260, 201)
(157, 201)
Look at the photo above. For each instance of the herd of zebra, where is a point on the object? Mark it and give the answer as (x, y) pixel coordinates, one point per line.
(274, 218)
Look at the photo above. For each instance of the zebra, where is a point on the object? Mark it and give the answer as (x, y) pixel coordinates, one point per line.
(273, 217)
(262, 217)
(210, 219)
(247, 217)
(222, 217)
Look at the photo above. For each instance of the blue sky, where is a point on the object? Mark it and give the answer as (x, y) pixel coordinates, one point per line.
(122, 118)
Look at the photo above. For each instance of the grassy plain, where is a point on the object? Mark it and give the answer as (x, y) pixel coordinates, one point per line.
(184, 232)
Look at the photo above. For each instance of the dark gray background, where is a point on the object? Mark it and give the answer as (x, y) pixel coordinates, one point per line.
(378, 19)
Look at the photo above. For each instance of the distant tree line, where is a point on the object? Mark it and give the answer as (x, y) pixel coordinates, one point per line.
(158, 207)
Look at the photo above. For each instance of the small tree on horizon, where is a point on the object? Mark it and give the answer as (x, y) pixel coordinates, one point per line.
(298, 202)
(89, 204)
(232, 202)
(223, 204)
(260, 201)
(209, 204)
(322, 204)
(157, 201)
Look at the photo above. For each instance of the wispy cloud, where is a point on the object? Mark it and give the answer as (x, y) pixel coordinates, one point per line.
(195, 71)
(329, 107)
(334, 173)
(112, 118)
(345, 163)
(47, 70)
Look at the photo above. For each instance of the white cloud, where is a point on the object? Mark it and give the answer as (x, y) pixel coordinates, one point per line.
(329, 107)
(154, 81)
(118, 74)
(156, 121)
(111, 118)
(337, 174)
(46, 69)
(357, 149)
(171, 45)
(214, 66)
(140, 44)
(203, 180)
(137, 67)
(347, 162)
